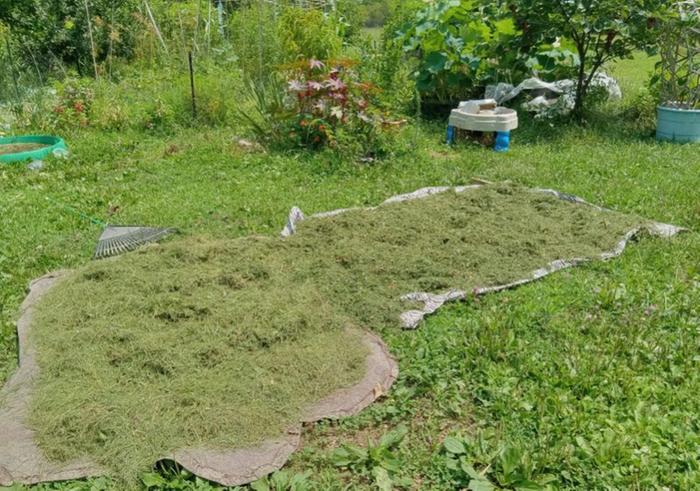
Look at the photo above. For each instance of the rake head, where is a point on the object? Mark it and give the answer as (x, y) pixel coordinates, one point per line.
(117, 240)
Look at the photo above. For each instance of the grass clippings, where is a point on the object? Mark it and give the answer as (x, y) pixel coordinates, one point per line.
(203, 342)
(10, 148)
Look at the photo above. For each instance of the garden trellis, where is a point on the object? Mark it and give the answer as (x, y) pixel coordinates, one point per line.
(680, 56)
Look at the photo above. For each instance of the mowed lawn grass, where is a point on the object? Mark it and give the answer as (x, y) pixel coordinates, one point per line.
(588, 378)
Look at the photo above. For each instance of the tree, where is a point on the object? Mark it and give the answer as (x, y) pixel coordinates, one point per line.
(600, 31)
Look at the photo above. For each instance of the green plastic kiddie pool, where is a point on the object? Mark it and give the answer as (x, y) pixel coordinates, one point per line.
(23, 148)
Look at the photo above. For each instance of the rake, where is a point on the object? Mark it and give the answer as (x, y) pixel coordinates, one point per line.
(118, 239)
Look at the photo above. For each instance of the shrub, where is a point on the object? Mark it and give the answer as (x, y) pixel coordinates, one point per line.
(641, 110)
(463, 45)
(66, 105)
(392, 70)
(317, 105)
(600, 31)
(265, 37)
(255, 37)
(459, 48)
(307, 34)
(73, 107)
(52, 32)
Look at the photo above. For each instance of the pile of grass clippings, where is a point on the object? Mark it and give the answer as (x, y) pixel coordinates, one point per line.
(222, 343)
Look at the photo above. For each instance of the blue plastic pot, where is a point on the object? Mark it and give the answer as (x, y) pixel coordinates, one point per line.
(678, 125)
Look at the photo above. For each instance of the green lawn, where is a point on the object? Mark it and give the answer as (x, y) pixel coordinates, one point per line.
(587, 379)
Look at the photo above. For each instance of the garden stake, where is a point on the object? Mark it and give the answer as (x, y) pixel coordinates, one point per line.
(118, 239)
(194, 100)
(92, 40)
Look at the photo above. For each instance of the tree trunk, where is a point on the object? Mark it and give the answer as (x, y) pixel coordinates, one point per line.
(580, 83)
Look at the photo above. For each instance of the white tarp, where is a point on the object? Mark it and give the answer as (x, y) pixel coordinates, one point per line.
(550, 98)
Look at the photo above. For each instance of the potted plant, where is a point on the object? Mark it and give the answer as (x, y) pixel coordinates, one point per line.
(678, 114)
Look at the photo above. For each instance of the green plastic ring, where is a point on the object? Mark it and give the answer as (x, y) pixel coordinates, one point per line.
(52, 143)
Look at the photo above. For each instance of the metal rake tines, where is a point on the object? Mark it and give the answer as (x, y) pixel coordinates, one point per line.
(117, 240)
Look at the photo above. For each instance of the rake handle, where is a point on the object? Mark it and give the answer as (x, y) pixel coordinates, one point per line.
(82, 215)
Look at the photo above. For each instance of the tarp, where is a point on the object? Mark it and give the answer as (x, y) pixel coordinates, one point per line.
(433, 301)
(22, 461)
(551, 98)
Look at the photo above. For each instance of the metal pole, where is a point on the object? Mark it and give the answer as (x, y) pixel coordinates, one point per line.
(194, 99)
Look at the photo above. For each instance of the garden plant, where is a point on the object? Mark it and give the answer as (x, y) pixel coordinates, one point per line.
(679, 66)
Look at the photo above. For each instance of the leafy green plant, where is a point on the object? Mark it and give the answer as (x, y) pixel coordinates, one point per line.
(463, 45)
(268, 113)
(319, 103)
(451, 40)
(386, 64)
(75, 98)
(600, 31)
(509, 468)
(308, 34)
(283, 481)
(553, 63)
(254, 34)
(158, 115)
(170, 476)
(73, 32)
(377, 462)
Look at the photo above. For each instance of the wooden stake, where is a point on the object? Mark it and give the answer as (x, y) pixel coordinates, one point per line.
(194, 98)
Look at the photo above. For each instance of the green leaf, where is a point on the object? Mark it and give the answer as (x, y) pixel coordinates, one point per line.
(393, 438)
(471, 472)
(152, 479)
(454, 446)
(480, 485)
(348, 455)
(382, 479)
(510, 462)
(260, 485)
(435, 62)
(526, 485)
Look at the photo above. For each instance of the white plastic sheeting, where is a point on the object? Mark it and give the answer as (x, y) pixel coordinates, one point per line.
(551, 98)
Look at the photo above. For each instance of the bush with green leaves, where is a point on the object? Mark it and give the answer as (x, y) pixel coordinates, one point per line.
(254, 34)
(314, 105)
(385, 62)
(265, 37)
(53, 33)
(600, 31)
(450, 40)
(463, 45)
(74, 102)
(307, 34)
